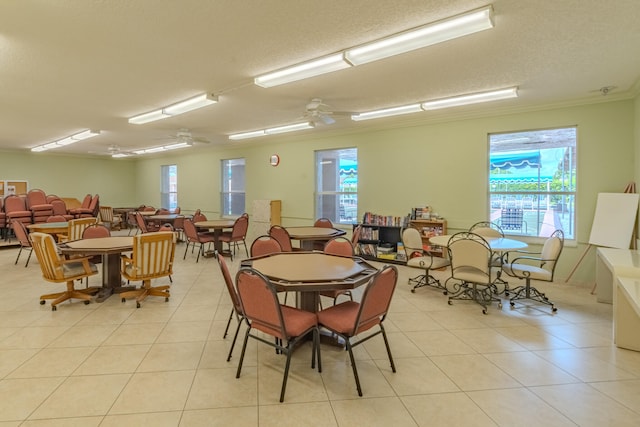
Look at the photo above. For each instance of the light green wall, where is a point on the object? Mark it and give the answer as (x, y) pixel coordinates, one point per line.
(68, 176)
(442, 164)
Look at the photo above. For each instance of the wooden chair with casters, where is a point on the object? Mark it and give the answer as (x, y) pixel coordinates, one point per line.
(340, 246)
(472, 275)
(264, 314)
(108, 217)
(152, 258)
(350, 319)
(237, 235)
(57, 269)
(197, 238)
(75, 228)
(529, 266)
(22, 234)
(235, 301)
(418, 257)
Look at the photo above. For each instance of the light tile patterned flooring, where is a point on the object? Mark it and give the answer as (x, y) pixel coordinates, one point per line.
(111, 364)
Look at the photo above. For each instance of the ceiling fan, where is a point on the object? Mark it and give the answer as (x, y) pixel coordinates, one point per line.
(114, 150)
(318, 112)
(184, 135)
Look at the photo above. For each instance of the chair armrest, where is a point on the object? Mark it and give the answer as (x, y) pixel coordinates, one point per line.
(84, 260)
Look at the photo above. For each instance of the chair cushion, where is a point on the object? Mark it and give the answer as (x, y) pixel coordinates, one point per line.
(525, 270)
(473, 275)
(297, 321)
(73, 269)
(340, 318)
(426, 262)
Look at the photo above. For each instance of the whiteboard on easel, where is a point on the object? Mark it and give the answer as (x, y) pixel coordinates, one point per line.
(614, 220)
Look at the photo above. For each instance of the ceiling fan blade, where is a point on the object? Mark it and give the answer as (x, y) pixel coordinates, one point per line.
(327, 120)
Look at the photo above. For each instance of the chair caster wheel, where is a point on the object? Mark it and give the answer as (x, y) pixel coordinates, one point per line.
(166, 299)
(449, 302)
(137, 305)
(512, 304)
(42, 302)
(87, 302)
(123, 300)
(54, 308)
(484, 311)
(553, 309)
(413, 291)
(500, 306)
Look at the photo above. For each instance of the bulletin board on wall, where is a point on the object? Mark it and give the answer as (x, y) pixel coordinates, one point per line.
(13, 187)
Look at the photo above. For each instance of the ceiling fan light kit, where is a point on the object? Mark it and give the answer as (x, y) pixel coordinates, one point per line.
(68, 140)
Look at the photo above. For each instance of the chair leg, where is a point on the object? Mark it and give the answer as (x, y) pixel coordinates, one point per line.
(28, 258)
(529, 292)
(353, 365)
(228, 323)
(286, 372)
(18, 257)
(386, 344)
(235, 337)
(185, 250)
(244, 348)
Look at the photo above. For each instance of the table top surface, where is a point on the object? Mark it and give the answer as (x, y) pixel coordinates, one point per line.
(215, 223)
(166, 217)
(312, 271)
(47, 225)
(496, 244)
(301, 233)
(100, 244)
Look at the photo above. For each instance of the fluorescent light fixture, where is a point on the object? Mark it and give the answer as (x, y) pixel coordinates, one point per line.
(471, 99)
(289, 128)
(68, 140)
(120, 155)
(246, 135)
(190, 104)
(177, 145)
(305, 70)
(387, 112)
(151, 116)
(427, 35)
(86, 134)
(161, 148)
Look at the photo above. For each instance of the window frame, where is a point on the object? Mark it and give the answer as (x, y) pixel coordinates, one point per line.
(167, 187)
(229, 188)
(559, 201)
(332, 163)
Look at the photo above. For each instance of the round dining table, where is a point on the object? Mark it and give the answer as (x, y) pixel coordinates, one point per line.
(49, 227)
(110, 248)
(311, 272)
(497, 244)
(307, 235)
(217, 225)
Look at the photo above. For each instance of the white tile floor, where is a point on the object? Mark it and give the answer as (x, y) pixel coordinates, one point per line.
(164, 364)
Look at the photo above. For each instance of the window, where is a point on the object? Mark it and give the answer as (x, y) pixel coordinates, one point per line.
(232, 192)
(337, 185)
(532, 181)
(169, 182)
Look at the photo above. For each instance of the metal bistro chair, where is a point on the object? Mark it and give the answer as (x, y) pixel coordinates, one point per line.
(471, 271)
(541, 265)
(417, 257)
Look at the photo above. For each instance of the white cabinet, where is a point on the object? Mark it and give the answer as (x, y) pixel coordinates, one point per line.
(264, 214)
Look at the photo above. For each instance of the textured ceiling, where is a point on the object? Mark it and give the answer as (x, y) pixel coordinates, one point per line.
(70, 65)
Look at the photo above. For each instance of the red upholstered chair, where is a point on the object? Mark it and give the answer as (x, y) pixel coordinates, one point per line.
(349, 319)
(132, 222)
(83, 209)
(340, 246)
(237, 235)
(143, 225)
(199, 216)
(60, 208)
(163, 211)
(282, 236)
(95, 231)
(264, 314)
(38, 205)
(193, 236)
(175, 211)
(22, 234)
(56, 218)
(235, 301)
(323, 222)
(264, 245)
(3, 220)
(16, 210)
